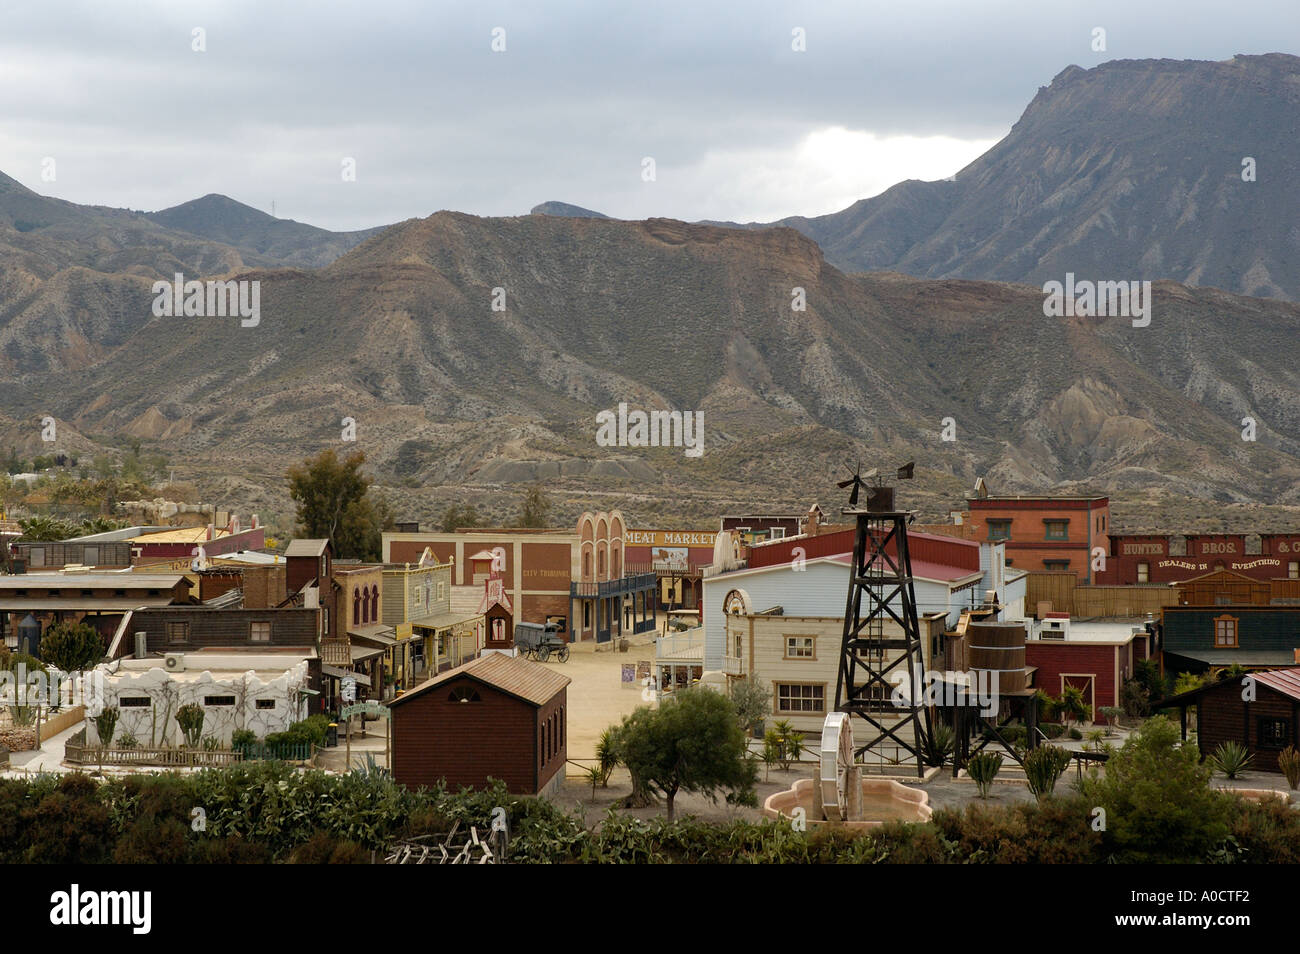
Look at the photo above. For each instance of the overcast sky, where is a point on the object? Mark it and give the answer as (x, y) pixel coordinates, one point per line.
(740, 125)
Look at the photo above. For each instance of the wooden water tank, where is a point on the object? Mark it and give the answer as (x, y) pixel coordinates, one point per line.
(999, 647)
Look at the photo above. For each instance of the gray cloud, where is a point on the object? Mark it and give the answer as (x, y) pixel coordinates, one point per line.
(435, 119)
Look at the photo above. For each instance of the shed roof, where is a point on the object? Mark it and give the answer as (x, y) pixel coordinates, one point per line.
(515, 676)
(306, 548)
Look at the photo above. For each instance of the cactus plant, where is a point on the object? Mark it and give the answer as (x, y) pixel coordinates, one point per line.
(983, 767)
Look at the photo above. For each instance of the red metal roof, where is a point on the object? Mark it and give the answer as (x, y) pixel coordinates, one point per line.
(925, 547)
(1285, 681)
(923, 569)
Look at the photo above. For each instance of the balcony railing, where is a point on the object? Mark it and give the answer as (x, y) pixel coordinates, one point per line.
(731, 666)
(625, 584)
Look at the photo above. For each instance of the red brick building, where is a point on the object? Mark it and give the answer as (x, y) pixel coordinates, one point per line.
(1045, 533)
(496, 716)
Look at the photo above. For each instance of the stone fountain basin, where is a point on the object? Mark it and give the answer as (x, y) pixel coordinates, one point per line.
(882, 800)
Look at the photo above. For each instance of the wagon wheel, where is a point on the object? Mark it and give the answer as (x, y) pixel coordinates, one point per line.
(563, 654)
(543, 653)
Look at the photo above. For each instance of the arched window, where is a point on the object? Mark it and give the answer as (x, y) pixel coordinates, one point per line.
(374, 604)
(586, 566)
(356, 606)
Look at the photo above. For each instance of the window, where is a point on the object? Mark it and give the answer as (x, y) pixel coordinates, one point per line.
(801, 698)
(1225, 632)
(1056, 564)
(259, 632)
(1144, 572)
(1293, 570)
(218, 700)
(464, 694)
(266, 703)
(90, 556)
(36, 556)
(440, 591)
(800, 647)
(178, 632)
(134, 702)
(776, 533)
(738, 642)
(1057, 529)
(999, 529)
(1274, 733)
(356, 606)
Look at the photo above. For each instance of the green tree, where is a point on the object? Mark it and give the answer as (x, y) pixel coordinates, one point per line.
(692, 743)
(753, 701)
(536, 509)
(334, 503)
(1158, 802)
(71, 647)
(456, 516)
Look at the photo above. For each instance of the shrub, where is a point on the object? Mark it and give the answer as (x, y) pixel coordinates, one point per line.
(127, 741)
(1231, 758)
(1053, 730)
(1043, 767)
(241, 738)
(1158, 803)
(1288, 760)
(983, 767)
(1075, 734)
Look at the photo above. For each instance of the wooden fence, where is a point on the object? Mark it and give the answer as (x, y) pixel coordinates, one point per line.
(166, 757)
(1067, 595)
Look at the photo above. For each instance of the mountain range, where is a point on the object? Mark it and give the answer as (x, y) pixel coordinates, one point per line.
(475, 353)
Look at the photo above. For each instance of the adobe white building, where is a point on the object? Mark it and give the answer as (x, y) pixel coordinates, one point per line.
(263, 692)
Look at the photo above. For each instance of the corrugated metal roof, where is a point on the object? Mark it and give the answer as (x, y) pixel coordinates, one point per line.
(93, 604)
(184, 535)
(443, 620)
(90, 581)
(532, 682)
(1285, 681)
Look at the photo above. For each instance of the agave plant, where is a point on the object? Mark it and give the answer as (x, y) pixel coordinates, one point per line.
(1231, 758)
(939, 744)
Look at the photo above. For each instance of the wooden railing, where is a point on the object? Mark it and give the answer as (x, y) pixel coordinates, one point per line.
(96, 755)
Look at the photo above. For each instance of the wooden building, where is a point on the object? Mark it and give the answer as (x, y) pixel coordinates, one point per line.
(496, 716)
(1226, 618)
(1265, 724)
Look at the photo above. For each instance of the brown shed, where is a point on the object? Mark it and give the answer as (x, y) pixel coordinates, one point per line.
(496, 716)
(1265, 721)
